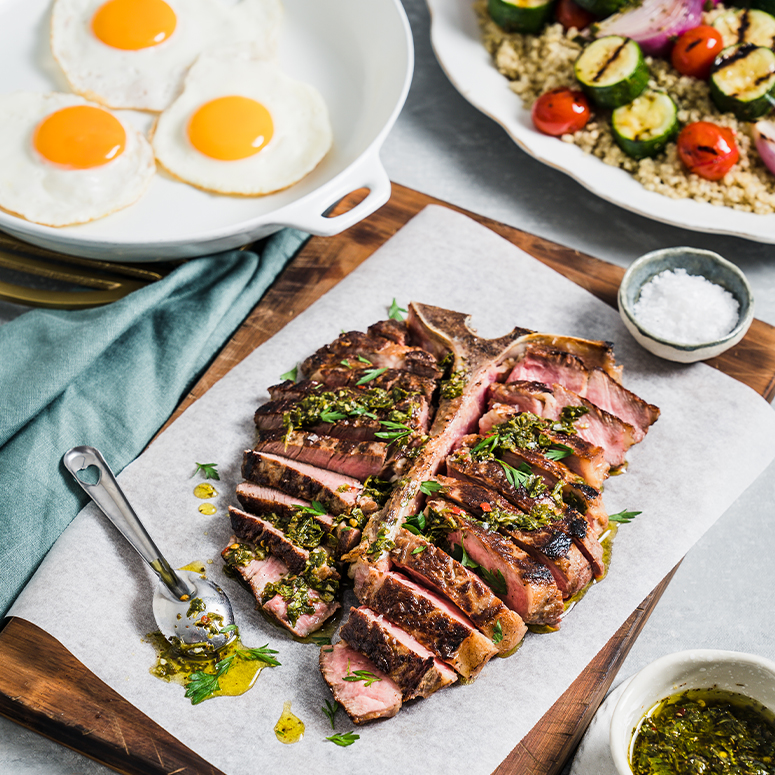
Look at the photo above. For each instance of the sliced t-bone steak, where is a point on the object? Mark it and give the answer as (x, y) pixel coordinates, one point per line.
(429, 565)
(492, 475)
(553, 366)
(392, 329)
(341, 376)
(277, 608)
(257, 573)
(266, 500)
(428, 617)
(337, 493)
(416, 671)
(585, 459)
(362, 703)
(548, 545)
(366, 352)
(526, 586)
(253, 528)
(358, 459)
(598, 427)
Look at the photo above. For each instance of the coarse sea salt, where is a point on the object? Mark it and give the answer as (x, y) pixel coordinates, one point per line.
(686, 309)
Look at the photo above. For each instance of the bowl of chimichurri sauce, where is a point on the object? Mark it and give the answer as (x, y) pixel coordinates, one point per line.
(701, 712)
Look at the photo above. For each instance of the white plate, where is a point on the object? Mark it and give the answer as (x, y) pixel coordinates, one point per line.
(457, 43)
(364, 78)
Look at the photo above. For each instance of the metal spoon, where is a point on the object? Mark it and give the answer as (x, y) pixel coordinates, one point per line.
(186, 606)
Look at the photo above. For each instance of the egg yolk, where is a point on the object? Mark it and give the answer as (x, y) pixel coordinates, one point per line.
(80, 137)
(230, 128)
(133, 24)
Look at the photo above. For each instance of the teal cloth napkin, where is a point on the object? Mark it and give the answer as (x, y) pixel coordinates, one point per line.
(108, 377)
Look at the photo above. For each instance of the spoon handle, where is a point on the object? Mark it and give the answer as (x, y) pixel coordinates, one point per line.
(108, 495)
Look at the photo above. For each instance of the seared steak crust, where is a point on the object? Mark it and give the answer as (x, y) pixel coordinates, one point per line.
(413, 667)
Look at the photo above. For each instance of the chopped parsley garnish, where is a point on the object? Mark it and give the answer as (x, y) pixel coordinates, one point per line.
(292, 374)
(495, 581)
(348, 738)
(330, 709)
(315, 507)
(429, 487)
(415, 524)
(395, 430)
(518, 477)
(369, 375)
(395, 311)
(332, 416)
(207, 470)
(497, 633)
(623, 516)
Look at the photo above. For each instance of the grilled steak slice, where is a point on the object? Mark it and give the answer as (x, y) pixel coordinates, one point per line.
(526, 586)
(413, 667)
(277, 608)
(358, 459)
(429, 565)
(593, 354)
(491, 474)
(392, 329)
(585, 459)
(428, 617)
(266, 500)
(552, 366)
(548, 545)
(392, 380)
(250, 527)
(597, 426)
(337, 493)
(362, 703)
(256, 572)
(579, 495)
(365, 351)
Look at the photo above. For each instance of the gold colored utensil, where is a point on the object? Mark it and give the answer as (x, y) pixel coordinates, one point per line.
(109, 281)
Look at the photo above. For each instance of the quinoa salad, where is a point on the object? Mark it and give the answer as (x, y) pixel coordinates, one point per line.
(537, 63)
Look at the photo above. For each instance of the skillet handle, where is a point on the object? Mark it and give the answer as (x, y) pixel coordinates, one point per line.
(310, 216)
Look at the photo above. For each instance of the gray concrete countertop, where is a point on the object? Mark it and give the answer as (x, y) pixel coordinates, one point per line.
(443, 146)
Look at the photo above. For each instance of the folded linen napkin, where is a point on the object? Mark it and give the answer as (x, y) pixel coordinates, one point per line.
(108, 377)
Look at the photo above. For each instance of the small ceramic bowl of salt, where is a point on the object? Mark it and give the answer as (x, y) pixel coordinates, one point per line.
(685, 304)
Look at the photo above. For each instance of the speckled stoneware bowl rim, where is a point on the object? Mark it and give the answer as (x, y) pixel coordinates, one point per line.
(744, 673)
(659, 260)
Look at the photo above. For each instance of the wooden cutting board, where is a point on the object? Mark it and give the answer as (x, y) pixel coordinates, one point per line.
(44, 687)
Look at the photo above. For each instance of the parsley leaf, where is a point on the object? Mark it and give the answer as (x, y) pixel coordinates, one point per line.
(328, 415)
(464, 559)
(330, 709)
(207, 470)
(497, 633)
(395, 311)
(415, 524)
(369, 375)
(315, 507)
(517, 476)
(495, 581)
(429, 487)
(395, 430)
(292, 374)
(558, 451)
(623, 516)
(419, 549)
(344, 739)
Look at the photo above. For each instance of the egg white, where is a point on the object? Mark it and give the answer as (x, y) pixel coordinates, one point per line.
(302, 129)
(42, 192)
(150, 78)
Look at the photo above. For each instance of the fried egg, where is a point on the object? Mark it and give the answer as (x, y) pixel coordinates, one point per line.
(135, 53)
(64, 160)
(242, 126)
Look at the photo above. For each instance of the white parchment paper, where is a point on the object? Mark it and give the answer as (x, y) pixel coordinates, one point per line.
(93, 594)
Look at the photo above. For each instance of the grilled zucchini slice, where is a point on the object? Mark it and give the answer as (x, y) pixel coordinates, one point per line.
(746, 25)
(612, 71)
(645, 126)
(520, 15)
(742, 80)
(603, 7)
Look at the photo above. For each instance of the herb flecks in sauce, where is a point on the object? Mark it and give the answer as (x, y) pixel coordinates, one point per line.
(289, 728)
(706, 731)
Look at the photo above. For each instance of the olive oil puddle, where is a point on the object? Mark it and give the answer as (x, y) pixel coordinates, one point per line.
(289, 728)
(174, 667)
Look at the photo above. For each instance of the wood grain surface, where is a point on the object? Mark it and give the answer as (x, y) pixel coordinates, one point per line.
(43, 687)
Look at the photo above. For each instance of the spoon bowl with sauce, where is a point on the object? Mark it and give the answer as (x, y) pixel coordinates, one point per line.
(191, 611)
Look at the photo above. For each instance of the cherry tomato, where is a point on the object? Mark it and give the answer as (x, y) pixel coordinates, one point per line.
(707, 149)
(694, 52)
(560, 112)
(569, 14)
